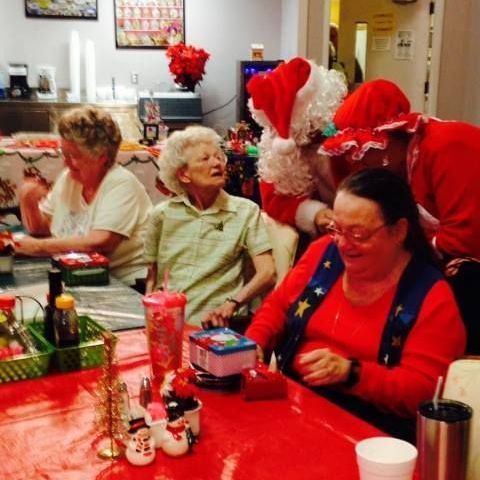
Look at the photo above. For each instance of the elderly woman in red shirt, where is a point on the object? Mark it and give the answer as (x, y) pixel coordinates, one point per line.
(364, 312)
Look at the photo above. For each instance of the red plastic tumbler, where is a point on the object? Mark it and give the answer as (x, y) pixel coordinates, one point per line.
(164, 319)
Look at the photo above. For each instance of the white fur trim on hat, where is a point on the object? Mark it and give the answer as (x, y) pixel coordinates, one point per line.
(315, 106)
(305, 216)
(283, 146)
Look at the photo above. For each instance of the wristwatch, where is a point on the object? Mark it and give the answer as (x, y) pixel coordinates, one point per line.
(354, 372)
(236, 302)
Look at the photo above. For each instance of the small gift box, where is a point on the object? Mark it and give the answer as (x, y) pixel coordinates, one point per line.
(221, 351)
(260, 383)
(83, 268)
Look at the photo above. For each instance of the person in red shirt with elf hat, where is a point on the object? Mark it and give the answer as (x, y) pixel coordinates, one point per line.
(441, 162)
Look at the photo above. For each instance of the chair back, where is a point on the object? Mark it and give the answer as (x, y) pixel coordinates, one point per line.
(463, 384)
(284, 240)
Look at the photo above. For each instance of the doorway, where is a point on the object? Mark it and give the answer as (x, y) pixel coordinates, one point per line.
(383, 39)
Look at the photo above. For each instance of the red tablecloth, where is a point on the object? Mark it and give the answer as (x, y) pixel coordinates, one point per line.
(47, 432)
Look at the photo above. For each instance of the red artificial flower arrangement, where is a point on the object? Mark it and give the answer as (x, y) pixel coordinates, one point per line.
(179, 386)
(187, 64)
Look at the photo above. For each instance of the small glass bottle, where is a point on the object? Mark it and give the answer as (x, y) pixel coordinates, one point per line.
(13, 334)
(55, 288)
(65, 322)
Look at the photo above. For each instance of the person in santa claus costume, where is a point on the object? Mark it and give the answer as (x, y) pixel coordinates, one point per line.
(441, 161)
(295, 104)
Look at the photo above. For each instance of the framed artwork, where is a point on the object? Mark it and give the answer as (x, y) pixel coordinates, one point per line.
(79, 9)
(149, 23)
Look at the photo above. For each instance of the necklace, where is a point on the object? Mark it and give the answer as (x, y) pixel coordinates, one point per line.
(335, 320)
(341, 310)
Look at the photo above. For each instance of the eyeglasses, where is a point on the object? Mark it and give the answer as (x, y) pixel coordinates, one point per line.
(355, 234)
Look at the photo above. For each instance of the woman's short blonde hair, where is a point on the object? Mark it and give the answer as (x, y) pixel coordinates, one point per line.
(93, 130)
(173, 154)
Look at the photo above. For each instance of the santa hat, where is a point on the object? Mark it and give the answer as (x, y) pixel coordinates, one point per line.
(365, 118)
(293, 101)
(276, 94)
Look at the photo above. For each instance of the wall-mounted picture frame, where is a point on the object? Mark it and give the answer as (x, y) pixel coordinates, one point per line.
(62, 9)
(149, 23)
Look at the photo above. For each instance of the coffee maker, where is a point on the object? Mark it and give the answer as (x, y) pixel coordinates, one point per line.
(18, 80)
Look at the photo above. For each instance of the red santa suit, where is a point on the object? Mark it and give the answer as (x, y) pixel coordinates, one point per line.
(295, 103)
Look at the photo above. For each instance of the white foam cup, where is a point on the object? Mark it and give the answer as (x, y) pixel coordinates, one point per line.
(385, 458)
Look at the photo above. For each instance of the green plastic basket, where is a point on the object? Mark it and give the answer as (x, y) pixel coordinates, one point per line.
(88, 354)
(28, 366)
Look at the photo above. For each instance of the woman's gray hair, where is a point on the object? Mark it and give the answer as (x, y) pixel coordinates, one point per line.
(93, 130)
(173, 154)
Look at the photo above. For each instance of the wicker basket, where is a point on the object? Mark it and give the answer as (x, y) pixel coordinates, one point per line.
(88, 354)
(28, 366)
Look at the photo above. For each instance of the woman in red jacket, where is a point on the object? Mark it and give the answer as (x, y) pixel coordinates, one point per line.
(364, 315)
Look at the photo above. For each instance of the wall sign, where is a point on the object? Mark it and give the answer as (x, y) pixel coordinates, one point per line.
(383, 23)
(149, 23)
(404, 44)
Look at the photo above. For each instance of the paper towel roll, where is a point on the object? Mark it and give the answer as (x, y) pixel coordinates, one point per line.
(90, 79)
(74, 66)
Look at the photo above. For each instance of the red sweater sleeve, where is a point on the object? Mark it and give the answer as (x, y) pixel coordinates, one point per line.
(282, 208)
(437, 338)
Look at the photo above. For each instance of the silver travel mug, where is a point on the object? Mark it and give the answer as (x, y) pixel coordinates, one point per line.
(442, 440)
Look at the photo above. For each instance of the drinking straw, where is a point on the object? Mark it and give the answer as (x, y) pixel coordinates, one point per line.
(437, 392)
(166, 279)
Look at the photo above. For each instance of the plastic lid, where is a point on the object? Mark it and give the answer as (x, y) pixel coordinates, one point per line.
(448, 411)
(7, 301)
(64, 301)
(161, 299)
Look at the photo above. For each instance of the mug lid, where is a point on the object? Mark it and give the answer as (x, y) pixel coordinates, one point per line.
(449, 411)
(164, 299)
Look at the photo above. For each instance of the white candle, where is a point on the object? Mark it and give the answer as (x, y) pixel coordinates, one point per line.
(75, 65)
(90, 80)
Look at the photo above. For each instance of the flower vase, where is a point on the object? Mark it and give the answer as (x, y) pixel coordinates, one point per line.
(190, 87)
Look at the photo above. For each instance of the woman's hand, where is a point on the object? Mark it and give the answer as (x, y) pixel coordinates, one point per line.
(260, 354)
(323, 367)
(220, 316)
(30, 193)
(322, 219)
(28, 246)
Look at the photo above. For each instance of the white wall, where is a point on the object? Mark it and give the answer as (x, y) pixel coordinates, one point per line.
(290, 29)
(410, 75)
(225, 28)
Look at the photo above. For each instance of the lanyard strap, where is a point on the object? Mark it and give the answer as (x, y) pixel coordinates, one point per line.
(299, 313)
(416, 281)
